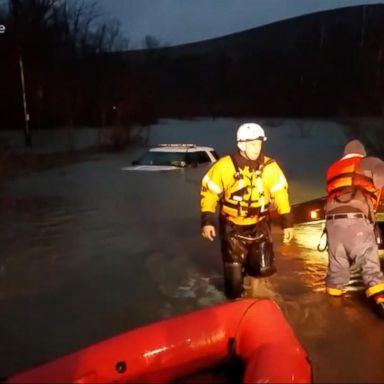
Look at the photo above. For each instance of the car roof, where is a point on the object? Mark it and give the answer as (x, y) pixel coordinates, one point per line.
(179, 148)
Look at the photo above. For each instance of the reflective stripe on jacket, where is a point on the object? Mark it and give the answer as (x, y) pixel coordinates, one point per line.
(343, 178)
(244, 194)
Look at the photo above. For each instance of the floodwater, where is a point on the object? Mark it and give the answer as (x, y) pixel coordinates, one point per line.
(89, 250)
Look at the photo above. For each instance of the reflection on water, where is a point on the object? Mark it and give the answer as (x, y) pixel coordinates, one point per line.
(308, 237)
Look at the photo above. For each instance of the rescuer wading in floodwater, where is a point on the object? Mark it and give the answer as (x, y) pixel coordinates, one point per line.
(354, 185)
(244, 185)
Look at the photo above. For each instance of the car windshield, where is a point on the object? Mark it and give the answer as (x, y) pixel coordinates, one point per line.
(162, 158)
(215, 155)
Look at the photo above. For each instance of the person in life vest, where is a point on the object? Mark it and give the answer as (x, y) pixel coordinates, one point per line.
(354, 184)
(244, 185)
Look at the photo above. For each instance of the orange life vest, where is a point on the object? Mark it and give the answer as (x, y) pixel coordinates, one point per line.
(343, 177)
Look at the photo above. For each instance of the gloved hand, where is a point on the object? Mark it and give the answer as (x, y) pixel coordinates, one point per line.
(287, 235)
(208, 232)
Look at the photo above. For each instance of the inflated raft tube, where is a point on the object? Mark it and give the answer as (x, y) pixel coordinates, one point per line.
(255, 330)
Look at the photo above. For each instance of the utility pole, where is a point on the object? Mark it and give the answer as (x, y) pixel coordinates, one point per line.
(14, 8)
(27, 131)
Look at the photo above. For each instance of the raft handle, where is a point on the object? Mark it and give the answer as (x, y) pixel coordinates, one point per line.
(121, 366)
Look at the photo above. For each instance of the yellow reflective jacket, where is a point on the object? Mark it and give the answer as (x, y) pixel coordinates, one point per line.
(244, 194)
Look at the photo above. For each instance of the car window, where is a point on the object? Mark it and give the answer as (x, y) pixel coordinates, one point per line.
(199, 157)
(161, 158)
(214, 154)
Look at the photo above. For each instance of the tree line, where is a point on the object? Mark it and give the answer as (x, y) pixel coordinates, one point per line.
(54, 66)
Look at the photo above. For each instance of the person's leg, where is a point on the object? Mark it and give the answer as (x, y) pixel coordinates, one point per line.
(365, 252)
(260, 257)
(338, 263)
(258, 264)
(233, 253)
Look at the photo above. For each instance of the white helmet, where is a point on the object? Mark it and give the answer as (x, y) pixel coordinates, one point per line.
(249, 132)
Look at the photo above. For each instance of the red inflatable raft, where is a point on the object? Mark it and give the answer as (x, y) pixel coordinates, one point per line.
(256, 331)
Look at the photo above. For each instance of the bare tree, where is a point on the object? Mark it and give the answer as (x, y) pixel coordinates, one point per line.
(69, 75)
(108, 38)
(151, 42)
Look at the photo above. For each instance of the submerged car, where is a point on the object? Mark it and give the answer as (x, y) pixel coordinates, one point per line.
(167, 157)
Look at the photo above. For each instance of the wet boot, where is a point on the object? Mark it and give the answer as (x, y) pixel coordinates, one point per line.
(334, 292)
(233, 280)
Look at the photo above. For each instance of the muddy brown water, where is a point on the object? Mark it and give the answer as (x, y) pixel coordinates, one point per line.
(89, 251)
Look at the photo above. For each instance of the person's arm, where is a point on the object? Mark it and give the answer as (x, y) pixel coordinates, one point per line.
(278, 188)
(378, 175)
(373, 167)
(211, 190)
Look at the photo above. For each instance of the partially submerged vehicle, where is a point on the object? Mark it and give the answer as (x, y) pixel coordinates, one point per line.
(253, 331)
(167, 157)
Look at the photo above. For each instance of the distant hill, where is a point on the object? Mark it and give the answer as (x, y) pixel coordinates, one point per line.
(323, 64)
(326, 64)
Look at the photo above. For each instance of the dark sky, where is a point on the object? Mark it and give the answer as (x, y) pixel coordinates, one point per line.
(175, 22)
